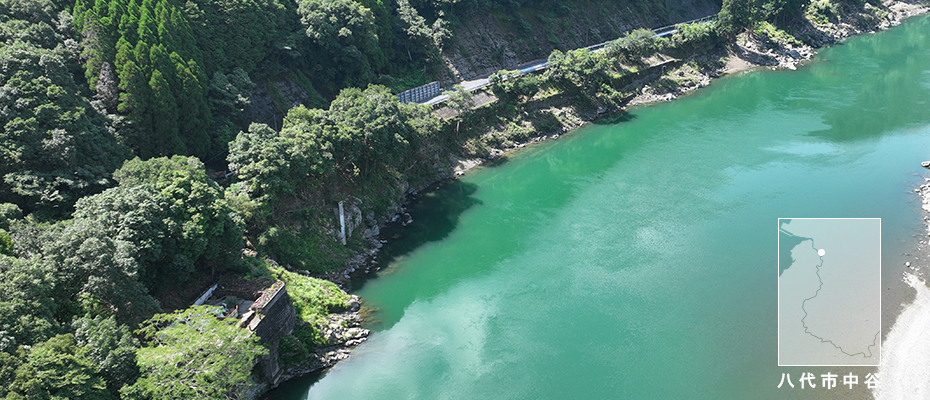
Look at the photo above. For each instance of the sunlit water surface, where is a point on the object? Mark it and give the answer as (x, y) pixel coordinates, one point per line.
(636, 258)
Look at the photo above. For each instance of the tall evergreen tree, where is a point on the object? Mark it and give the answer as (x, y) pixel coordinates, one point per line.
(55, 370)
(193, 112)
(148, 29)
(162, 61)
(166, 35)
(164, 117)
(80, 8)
(186, 44)
(98, 42)
(129, 23)
(141, 54)
(134, 101)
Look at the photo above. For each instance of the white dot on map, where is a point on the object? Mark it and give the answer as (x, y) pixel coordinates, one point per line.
(821, 252)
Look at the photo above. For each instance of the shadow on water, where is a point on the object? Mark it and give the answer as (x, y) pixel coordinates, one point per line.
(294, 388)
(614, 118)
(892, 99)
(496, 162)
(435, 213)
(882, 106)
(436, 210)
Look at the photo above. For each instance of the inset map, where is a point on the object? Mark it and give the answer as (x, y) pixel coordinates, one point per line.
(829, 291)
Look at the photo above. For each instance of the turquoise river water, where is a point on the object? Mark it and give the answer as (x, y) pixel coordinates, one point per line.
(636, 258)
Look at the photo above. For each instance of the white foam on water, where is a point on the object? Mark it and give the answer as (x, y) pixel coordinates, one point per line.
(905, 363)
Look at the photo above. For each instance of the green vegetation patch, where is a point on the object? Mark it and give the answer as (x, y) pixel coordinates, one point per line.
(191, 354)
(690, 39)
(822, 12)
(314, 299)
(287, 183)
(767, 30)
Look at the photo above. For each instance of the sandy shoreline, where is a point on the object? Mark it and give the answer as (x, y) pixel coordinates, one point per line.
(905, 364)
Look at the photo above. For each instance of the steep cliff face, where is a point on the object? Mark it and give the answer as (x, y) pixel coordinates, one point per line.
(485, 41)
(274, 319)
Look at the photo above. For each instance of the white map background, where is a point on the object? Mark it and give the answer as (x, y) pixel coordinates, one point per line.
(829, 307)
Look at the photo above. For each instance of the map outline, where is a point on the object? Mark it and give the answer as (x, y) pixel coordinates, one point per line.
(779, 270)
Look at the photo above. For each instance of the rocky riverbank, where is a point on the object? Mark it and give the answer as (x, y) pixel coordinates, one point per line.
(342, 332)
(666, 79)
(747, 52)
(753, 51)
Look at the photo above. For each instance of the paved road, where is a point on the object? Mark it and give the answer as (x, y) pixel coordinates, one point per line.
(538, 65)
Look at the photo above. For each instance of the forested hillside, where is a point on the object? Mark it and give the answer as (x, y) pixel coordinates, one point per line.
(488, 39)
(138, 167)
(163, 77)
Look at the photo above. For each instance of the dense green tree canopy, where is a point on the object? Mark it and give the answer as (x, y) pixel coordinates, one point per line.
(174, 215)
(633, 46)
(54, 145)
(193, 355)
(55, 369)
(164, 222)
(240, 33)
(346, 33)
(111, 347)
(509, 86)
(737, 15)
(145, 54)
(362, 133)
(27, 305)
(365, 139)
(96, 273)
(579, 71)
